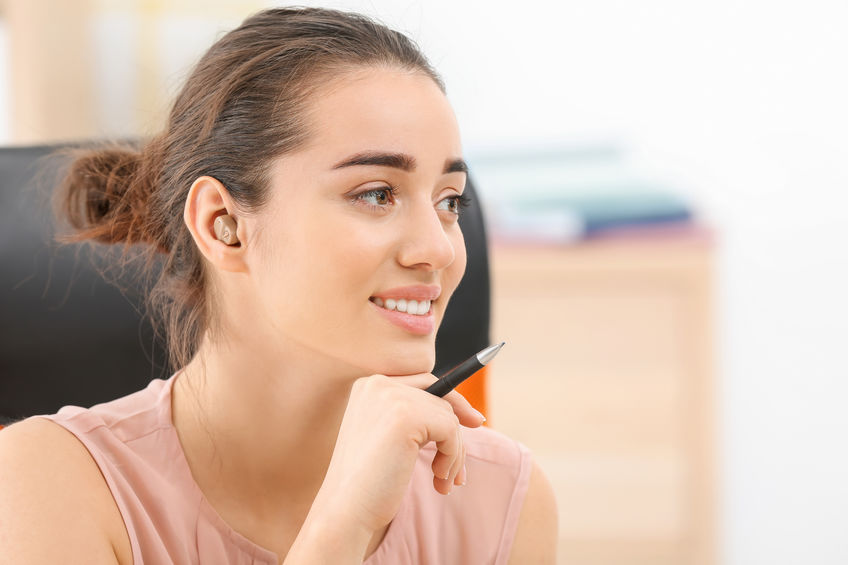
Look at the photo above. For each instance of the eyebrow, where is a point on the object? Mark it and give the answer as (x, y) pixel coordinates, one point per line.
(400, 161)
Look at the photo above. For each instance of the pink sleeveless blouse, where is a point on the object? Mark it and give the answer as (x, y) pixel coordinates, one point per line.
(133, 441)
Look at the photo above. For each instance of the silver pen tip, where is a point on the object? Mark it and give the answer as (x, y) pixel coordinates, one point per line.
(489, 353)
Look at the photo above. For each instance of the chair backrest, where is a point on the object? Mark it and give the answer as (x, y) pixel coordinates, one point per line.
(69, 337)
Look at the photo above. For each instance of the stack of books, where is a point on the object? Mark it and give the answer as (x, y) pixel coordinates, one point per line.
(570, 195)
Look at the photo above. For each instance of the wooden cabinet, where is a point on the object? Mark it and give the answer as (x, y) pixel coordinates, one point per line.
(608, 376)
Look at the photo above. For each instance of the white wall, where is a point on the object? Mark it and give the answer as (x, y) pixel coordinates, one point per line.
(5, 73)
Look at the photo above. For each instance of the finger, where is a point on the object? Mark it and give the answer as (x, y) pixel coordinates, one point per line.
(441, 479)
(458, 461)
(445, 485)
(445, 431)
(466, 413)
(441, 466)
(447, 451)
(460, 478)
(442, 486)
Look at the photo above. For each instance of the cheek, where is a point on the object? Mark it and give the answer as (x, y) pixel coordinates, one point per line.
(454, 272)
(329, 269)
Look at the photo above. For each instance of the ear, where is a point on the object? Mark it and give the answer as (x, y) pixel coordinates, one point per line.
(207, 199)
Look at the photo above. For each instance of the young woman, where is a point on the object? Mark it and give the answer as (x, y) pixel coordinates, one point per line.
(304, 193)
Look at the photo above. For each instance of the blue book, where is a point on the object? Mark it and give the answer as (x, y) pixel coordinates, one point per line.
(570, 194)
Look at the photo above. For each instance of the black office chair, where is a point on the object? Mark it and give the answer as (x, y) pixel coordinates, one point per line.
(69, 337)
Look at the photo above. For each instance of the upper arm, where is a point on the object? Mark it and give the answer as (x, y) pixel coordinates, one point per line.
(55, 506)
(536, 536)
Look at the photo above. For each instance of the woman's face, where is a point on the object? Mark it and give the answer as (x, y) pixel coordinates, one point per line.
(342, 241)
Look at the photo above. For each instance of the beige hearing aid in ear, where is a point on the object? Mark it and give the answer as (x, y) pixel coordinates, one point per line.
(225, 229)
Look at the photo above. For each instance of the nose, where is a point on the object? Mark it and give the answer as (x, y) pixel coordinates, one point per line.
(425, 243)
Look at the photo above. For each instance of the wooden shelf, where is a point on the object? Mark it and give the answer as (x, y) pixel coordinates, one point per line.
(608, 376)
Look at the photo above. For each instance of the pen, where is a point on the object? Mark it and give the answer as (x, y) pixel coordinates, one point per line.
(452, 378)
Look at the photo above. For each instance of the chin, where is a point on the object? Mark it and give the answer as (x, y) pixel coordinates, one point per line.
(394, 355)
(396, 368)
(408, 362)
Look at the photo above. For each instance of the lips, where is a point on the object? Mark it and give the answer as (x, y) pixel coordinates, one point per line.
(416, 292)
(402, 300)
(412, 323)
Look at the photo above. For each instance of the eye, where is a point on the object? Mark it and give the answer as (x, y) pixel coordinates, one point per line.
(377, 197)
(454, 204)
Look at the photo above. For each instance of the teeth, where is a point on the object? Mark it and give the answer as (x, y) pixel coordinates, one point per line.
(415, 307)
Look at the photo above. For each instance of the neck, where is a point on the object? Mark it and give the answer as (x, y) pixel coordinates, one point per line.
(258, 431)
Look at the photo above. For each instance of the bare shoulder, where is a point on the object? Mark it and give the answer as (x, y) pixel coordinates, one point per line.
(62, 507)
(536, 537)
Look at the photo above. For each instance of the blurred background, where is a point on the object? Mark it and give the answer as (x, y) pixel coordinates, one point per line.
(666, 188)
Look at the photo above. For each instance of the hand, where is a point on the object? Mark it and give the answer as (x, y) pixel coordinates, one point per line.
(387, 421)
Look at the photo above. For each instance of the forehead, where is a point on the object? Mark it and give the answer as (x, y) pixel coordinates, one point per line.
(384, 109)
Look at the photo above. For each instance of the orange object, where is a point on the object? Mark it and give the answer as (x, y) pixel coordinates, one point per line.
(474, 390)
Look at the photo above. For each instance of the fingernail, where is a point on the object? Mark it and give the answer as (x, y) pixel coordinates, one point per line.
(481, 415)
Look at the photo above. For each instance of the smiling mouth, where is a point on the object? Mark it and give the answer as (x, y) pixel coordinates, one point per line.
(413, 307)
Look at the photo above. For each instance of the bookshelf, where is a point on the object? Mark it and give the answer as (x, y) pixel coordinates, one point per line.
(608, 376)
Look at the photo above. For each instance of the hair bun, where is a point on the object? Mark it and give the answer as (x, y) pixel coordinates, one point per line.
(105, 195)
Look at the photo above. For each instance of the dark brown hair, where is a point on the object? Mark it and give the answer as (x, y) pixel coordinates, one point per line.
(245, 103)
